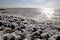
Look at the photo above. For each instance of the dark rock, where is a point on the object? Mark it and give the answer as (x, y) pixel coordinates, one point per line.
(5, 38)
(45, 35)
(25, 23)
(34, 29)
(18, 29)
(2, 9)
(10, 21)
(40, 32)
(37, 35)
(11, 26)
(23, 27)
(58, 38)
(5, 25)
(18, 22)
(0, 18)
(20, 39)
(22, 36)
(1, 24)
(13, 38)
(1, 29)
(22, 20)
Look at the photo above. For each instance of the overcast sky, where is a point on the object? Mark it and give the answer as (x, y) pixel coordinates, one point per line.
(29, 3)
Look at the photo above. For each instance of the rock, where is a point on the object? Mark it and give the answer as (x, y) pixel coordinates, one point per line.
(45, 35)
(34, 29)
(38, 39)
(11, 26)
(23, 27)
(51, 38)
(58, 38)
(12, 38)
(18, 28)
(1, 24)
(5, 38)
(25, 39)
(10, 20)
(22, 19)
(0, 18)
(7, 30)
(37, 35)
(55, 37)
(2, 28)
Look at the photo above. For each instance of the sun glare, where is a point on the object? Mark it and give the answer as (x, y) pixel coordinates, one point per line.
(48, 12)
(45, 14)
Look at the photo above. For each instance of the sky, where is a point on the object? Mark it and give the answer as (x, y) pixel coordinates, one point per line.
(29, 3)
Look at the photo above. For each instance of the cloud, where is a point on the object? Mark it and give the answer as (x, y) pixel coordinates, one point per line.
(53, 4)
(37, 0)
(55, 0)
(30, 3)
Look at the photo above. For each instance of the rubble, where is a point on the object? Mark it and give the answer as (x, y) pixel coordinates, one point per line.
(19, 28)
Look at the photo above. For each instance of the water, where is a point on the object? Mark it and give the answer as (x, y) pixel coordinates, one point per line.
(34, 13)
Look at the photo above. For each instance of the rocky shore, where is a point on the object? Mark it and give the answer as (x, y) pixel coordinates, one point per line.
(18, 28)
